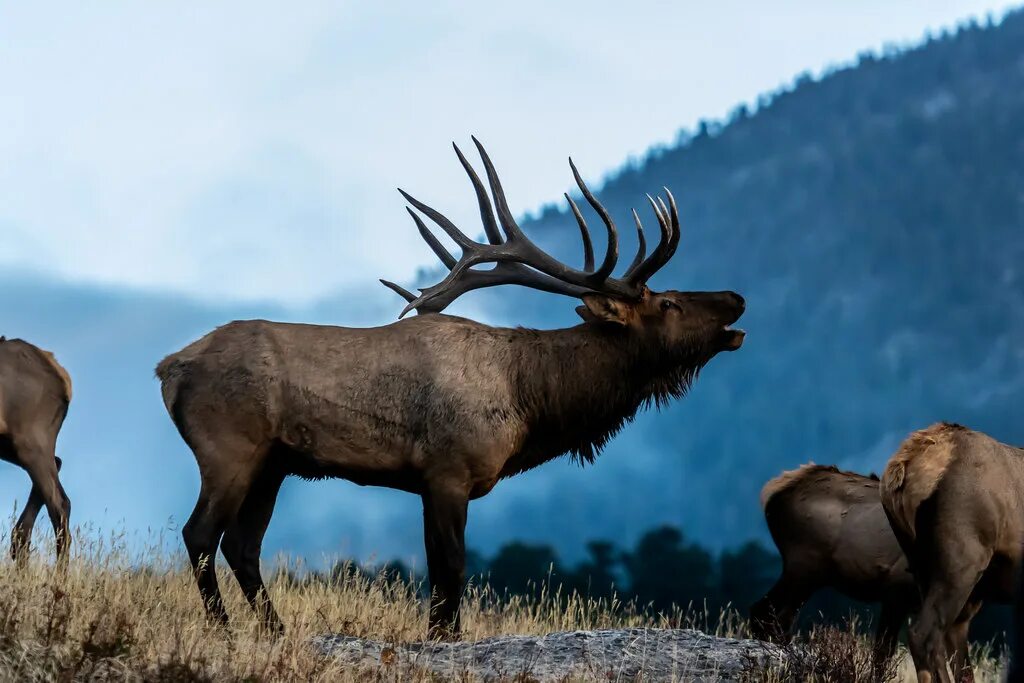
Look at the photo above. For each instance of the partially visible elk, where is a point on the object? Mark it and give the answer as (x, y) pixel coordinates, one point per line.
(1015, 671)
(1015, 674)
(955, 499)
(436, 405)
(35, 392)
(832, 532)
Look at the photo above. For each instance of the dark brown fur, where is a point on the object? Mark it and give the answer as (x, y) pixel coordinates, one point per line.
(832, 532)
(955, 498)
(35, 392)
(436, 405)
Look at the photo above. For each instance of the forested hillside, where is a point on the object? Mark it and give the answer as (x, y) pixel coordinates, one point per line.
(874, 220)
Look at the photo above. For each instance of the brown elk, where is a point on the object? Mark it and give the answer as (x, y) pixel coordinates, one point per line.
(831, 531)
(435, 405)
(955, 499)
(35, 392)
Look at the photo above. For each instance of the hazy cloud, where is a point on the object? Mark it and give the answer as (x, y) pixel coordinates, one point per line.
(251, 150)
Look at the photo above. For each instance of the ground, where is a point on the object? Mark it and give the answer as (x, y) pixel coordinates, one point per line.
(136, 616)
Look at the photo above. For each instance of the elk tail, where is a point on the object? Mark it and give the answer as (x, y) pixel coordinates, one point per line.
(914, 472)
(170, 373)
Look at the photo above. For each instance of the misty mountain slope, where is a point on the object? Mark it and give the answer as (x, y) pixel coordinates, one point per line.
(126, 467)
(874, 221)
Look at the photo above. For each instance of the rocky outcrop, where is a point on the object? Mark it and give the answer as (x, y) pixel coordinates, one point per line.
(606, 655)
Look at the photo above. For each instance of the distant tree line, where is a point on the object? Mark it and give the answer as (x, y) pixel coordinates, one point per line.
(662, 572)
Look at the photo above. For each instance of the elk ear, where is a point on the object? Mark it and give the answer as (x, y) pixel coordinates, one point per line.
(584, 312)
(601, 308)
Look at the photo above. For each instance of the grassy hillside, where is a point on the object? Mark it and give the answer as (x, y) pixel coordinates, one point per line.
(135, 615)
(120, 614)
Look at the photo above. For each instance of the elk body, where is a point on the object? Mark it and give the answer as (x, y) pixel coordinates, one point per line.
(35, 392)
(831, 531)
(955, 499)
(436, 405)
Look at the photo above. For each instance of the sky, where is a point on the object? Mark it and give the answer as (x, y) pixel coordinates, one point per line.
(236, 152)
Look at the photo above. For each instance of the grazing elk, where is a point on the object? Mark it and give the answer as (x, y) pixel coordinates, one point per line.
(435, 405)
(831, 531)
(35, 392)
(955, 499)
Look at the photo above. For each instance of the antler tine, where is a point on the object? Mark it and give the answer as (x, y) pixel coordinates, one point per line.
(611, 255)
(460, 237)
(666, 230)
(588, 247)
(664, 209)
(486, 214)
(659, 257)
(520, 248)
(435, 244)
(641, 250)
(508, 223)
(399, 290)
(662, 221)
(674, 244)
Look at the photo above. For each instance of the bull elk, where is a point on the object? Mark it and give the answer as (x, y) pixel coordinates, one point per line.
(35, 392)
(436, 405)
(955, 499)
(831, 531)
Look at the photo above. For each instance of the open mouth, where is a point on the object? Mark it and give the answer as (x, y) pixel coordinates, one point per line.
(732, 339)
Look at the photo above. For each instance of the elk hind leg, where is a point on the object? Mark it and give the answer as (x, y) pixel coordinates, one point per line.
(951, 578)
(890, 620)
(227, 466)
(957, 643)
(772, 617)
(243, 542)
(42, 467)
(444, 526)
(21, 534)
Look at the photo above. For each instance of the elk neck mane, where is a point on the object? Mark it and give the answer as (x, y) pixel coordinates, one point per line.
(578, 387)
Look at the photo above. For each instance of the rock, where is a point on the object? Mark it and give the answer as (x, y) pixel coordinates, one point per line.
(606, 655)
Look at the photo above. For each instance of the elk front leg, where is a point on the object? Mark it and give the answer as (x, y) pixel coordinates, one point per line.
(444, 527)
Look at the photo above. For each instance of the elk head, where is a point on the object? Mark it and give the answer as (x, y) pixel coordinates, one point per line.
(675, 321)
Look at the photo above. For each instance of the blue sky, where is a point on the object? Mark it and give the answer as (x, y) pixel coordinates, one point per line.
(249, 151)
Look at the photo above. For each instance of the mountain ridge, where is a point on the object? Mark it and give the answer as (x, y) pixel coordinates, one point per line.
(873, 219)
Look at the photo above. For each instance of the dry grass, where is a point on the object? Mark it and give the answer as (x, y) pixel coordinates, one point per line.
(122, 615)
(115, 614)
(989, 665)
(829, 654)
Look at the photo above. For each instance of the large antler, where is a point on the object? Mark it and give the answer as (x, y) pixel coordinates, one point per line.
(521, 262)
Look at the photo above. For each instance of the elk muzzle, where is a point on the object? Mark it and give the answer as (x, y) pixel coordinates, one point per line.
(731, 306)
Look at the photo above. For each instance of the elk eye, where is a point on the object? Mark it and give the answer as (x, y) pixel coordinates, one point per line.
(667, 304)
